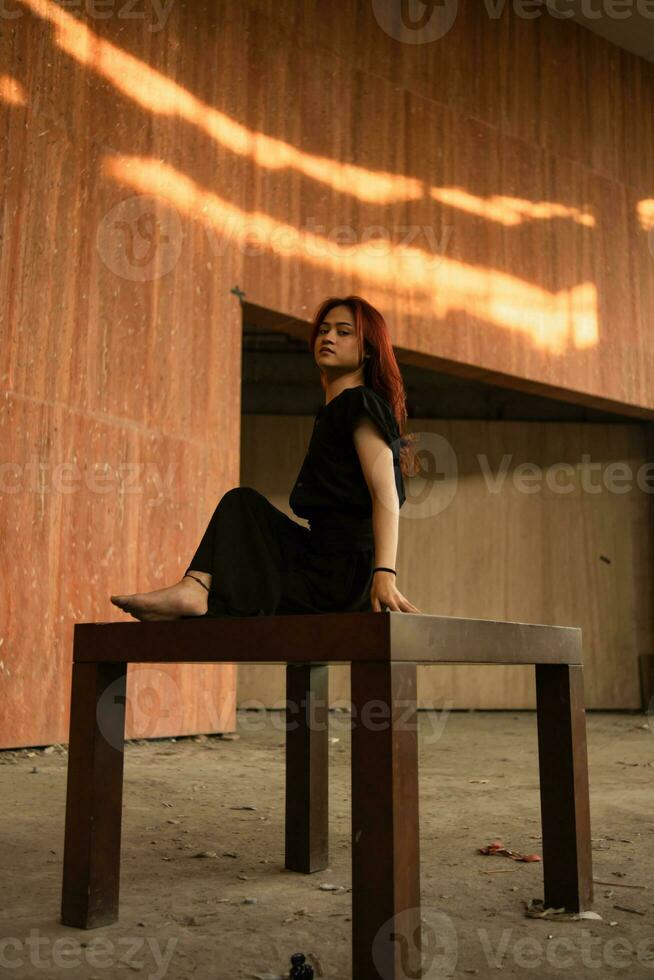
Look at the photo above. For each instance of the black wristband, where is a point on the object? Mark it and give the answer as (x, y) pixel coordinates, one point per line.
(380, 568)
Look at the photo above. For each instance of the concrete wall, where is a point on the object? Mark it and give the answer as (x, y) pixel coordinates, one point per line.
(535, 522)
(151, 166)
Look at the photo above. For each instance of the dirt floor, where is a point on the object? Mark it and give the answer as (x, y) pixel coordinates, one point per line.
(237, 913)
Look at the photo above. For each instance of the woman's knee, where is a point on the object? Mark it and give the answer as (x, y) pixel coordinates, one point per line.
(239, 492)
(239, 497)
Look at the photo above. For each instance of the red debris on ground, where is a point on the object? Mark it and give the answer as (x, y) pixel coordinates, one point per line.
(497, 847)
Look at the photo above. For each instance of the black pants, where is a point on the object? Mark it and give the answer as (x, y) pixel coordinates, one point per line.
(262, 562)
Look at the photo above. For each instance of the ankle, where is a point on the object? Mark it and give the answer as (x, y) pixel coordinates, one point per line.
(201, 578)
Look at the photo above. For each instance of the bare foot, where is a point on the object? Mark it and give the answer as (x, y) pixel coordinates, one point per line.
(185, 598)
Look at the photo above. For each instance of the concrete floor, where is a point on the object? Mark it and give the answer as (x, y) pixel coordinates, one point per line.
(186, 917)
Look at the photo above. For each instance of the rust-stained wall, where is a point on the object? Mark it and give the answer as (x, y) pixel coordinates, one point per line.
(506, 171)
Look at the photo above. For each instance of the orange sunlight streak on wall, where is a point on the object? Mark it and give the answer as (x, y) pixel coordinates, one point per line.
(646, 213)
(158, 94)
(553, 321)
(12, 91)
(508, 210)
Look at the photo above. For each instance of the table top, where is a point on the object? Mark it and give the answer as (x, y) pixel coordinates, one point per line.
(328, 638)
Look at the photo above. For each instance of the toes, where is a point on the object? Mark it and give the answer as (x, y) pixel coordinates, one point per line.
(122, 602)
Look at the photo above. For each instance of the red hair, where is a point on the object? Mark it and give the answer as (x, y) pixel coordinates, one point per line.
(381, 370)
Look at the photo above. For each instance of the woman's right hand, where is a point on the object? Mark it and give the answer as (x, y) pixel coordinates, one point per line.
(385, 595)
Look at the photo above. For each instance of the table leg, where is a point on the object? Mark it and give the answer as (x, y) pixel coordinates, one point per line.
(565, 808)
(385, 825)
(307, 772)
(94, 795)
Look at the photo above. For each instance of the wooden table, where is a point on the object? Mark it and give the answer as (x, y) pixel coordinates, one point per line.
(383, 650)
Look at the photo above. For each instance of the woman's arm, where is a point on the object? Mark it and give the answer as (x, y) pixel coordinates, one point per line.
(376, 458)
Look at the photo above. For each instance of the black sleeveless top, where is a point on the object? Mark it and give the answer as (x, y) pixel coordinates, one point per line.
(331, 480)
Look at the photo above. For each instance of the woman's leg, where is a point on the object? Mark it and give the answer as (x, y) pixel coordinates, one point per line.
(246, 547)
(202, 562)
(185, 598)
(188, 597)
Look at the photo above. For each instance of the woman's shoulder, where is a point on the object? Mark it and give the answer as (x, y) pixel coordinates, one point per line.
(363, 400)
(368, 395)
(363, 393)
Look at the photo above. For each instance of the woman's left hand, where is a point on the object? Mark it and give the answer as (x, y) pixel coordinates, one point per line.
(384, 595)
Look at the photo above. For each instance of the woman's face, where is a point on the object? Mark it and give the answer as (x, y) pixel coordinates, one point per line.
(336, 350)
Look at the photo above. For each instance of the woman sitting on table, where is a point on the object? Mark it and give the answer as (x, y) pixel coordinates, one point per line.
(255, 560)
